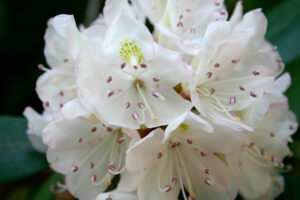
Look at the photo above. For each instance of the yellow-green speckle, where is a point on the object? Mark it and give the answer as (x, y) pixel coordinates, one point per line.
(184, 127)
(130, 52)
(94, 117)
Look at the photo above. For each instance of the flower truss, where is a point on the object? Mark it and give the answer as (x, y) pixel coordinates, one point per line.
(195, 109)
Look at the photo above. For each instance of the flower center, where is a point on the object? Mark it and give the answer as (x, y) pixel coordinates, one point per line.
(131, 53)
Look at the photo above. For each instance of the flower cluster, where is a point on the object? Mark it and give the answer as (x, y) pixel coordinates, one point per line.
(195, 108)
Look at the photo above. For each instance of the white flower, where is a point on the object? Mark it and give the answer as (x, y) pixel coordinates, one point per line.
(90, 154)
(36, 124)
(63, 43)
(226, 80)
(184, 156)
(266, 148)
(129, 81)
(185, 21)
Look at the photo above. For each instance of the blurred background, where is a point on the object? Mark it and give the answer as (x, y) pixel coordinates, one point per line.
(24, 173)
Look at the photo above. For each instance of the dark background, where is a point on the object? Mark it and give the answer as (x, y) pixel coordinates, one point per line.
(22, 26)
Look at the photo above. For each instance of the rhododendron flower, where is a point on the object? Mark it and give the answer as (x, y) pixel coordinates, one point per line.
(90, 154)
(184, 156)
(266, 148)
(128, 82)
(195, 109)
(63, 43)
(36, 124)
(225, 81)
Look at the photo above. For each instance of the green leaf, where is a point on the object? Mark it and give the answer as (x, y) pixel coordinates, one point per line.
(44, 191)
(18, 158)
(292, 191)
(293, 92)
(284, 29)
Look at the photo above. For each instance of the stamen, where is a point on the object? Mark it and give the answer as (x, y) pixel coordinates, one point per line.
(186, 175)
(212, 91)
(94, 129)
(256, 73)
(109, 79)
(167, 188)
(217, 3)
(120, 141)
(203, 153)
(143, 66)
(159, 155)
(232, 100)
(110, 93)
(209, 74)
(127, 105)
(141, 105)
(217, 65)
(47, 104)
(252, 94)
(135, 115)
(174, 180)
(180, 24)
(223, 12)
(43, 68)
(154, 118)
(123, 65)
(207, 171)
(208, 181)
(74, 168)
(155, 79)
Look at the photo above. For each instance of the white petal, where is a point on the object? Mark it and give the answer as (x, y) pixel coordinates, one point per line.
(153, 9)
(237, 14)
(144, 153)
(257, 22)
(113, 8)
(223, 185)
(128, 181)
(56, 87)
(125, 28)
(74, 109)
(157, 178)
(166, 60)
(254, 180)
(192, 123)
(63, 41)
(254, 114)
(66, 134)
(36, 124)
(274, 132)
